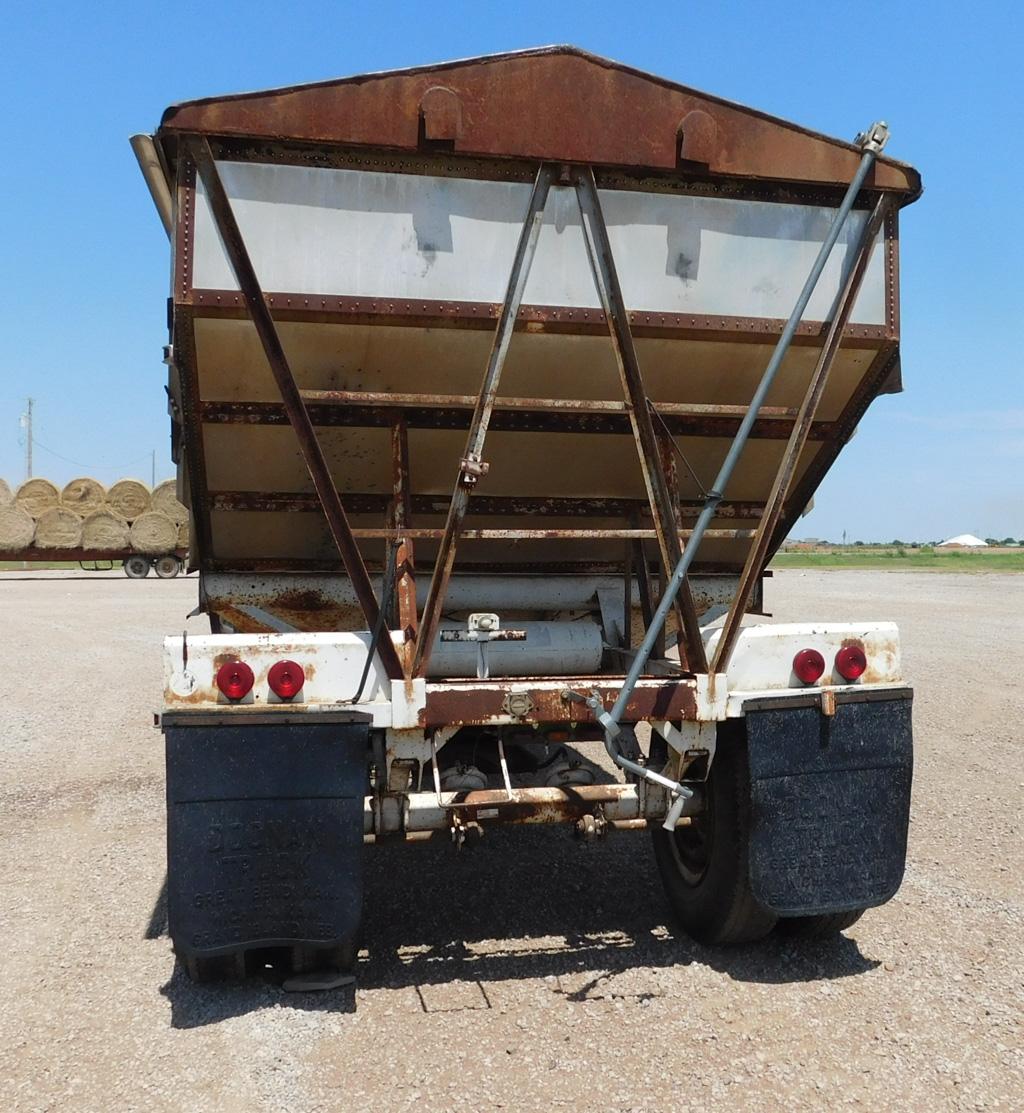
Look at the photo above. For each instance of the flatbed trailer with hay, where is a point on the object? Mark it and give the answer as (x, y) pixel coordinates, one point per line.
(494, 387)
(87, 524)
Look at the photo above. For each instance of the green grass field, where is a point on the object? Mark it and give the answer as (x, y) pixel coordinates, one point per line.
(905, 559)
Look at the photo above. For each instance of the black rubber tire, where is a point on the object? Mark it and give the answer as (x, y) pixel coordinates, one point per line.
(818, 927)
(167, 567)
(136, 567)
(705, 866)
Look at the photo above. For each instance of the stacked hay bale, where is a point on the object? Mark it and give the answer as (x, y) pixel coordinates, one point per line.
(36, 496)
(165, 499)
(85, 515)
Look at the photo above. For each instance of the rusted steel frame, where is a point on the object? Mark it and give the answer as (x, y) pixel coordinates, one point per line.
(602, 418)
(758, 551)
(419, 533)
(666, 450)
(585, 506)
(309, 446)
(627, 595)
(183, 346)
(476, 315)
(472, 465)
(400, 517)
(501, 567)
(477, 702)
(502, 168)
(602, 261)
(643, 581)
(547, 405)
(537, 805)
(613, 116)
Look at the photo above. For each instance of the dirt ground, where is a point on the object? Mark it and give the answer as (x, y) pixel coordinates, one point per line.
(530, 972)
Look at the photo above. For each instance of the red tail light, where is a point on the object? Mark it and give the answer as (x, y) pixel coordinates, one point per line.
(286, 679)
(851, 662)
(235, 679)
(809, 665)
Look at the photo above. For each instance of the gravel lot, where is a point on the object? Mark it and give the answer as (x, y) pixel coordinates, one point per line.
(528, 973)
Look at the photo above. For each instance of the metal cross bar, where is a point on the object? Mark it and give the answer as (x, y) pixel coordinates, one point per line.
(298, 416)
(798, 438)
(555, 533)
(606, 279)
(399, 516)
(545, 506)
(415, 400)
(472, 465)
(871, 144)
(377, 409)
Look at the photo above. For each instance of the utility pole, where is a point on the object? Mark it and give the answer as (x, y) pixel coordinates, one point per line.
(26, 422)
(152, 469)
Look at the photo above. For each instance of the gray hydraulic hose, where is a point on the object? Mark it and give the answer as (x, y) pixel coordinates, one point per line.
(871, 143)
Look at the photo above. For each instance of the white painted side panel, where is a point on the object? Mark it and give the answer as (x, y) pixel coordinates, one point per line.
(763, 658)
(366, 234)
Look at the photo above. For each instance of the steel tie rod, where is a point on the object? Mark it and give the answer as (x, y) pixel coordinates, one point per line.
(871, 143)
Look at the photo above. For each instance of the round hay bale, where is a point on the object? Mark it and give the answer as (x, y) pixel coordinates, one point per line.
(128, 498)
(104, 530)
(153, 533)
(183, 535)
(6, 494)
(58, 528)
(16, 529)
(83, 496)
(165, 499)
(36, 496)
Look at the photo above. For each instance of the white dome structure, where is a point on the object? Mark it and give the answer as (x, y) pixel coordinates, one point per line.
(964, 541)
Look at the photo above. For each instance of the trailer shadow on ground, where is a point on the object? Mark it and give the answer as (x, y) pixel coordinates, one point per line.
(527, 903)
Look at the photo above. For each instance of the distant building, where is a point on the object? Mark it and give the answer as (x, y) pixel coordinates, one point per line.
(964, 541)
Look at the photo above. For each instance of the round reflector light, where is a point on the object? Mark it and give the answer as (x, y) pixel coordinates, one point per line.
(235, 679)
(809, 664)
(851, 662)
(286, 679)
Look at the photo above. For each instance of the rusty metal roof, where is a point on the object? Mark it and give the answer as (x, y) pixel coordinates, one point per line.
(557, 103)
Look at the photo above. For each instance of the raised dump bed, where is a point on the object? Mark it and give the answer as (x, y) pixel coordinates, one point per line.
(461, 359)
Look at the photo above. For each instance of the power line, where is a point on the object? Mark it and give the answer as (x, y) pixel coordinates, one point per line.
(80, 464)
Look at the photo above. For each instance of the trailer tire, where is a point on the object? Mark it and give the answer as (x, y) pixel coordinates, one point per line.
(818, 927)
(136, 567)
(705, 866)
(167, 567)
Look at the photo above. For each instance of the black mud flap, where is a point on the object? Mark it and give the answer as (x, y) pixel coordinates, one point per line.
(264, 834)
(830, 804)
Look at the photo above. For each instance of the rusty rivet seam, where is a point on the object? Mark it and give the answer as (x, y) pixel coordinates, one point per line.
(890, 253)
(187, 230)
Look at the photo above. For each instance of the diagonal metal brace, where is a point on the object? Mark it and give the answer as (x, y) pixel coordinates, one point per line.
(295, 407)
(606, 279)
(775, 505)
(472, 466)
(871, 144)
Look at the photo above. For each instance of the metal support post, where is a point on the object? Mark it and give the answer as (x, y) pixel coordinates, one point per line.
(400, 519)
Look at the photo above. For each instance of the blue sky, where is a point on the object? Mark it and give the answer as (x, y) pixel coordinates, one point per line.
(84, 277)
